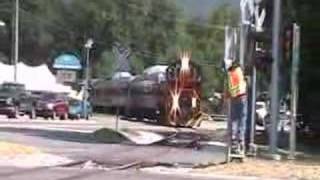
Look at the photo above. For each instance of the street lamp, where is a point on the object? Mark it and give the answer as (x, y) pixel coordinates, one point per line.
(16, 34)
(88, 46)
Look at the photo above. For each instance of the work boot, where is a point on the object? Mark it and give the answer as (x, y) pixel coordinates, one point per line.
(241, 147)
(235, 147)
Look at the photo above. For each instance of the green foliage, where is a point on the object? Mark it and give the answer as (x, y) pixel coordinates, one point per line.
(138, 64)
(307, 16)
(206, 41)
(106, 65)
(154, 30)
(49, 27)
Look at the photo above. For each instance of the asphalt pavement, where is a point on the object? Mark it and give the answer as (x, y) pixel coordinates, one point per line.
(94, 174)
(73, 139)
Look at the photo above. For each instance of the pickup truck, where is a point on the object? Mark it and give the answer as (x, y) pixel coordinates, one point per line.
(16, 101)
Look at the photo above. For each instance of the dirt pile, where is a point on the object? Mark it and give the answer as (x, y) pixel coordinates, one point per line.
(268, 169)
(11, 149)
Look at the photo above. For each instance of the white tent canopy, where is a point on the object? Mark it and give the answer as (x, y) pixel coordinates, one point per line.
(34, 78)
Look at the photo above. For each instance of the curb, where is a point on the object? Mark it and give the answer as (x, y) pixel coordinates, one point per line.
(200, 175)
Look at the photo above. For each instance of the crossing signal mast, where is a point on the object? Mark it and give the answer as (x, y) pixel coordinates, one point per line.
(255, 42)
(288, 43)
(262, 51)
(264, 43)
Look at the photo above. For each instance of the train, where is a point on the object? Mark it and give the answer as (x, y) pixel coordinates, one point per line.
(169, 94)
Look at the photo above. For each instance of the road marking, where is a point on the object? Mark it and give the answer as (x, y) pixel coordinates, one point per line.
(37, 127)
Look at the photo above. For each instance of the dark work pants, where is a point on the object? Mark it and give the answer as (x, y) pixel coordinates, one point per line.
(239, 118)
(249, 119)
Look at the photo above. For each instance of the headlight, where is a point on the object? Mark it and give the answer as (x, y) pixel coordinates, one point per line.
(288, 113)
(194, 102)
(9, 101)
(50, 106)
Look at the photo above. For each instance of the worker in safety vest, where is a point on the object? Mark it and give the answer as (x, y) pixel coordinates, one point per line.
(237, 91)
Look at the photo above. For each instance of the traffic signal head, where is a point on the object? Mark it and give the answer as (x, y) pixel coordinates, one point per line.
(263, 59)
(287, 43)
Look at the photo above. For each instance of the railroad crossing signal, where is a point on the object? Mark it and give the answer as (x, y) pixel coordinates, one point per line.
(287, 43)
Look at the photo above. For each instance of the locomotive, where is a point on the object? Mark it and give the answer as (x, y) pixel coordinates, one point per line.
(181, 93)
(170, 95)
(111, 93)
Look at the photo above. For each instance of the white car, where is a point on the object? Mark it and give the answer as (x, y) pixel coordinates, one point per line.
(261, 112)
(263, 116)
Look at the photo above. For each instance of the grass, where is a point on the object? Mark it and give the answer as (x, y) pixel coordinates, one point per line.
(106, 135)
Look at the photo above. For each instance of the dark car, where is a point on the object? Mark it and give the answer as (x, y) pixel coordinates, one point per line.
(27, 104)
(15, 100)
(52, 105)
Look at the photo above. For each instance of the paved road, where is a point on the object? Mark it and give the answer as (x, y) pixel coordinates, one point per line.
(93, 174)
(73, 139)
(99, 121)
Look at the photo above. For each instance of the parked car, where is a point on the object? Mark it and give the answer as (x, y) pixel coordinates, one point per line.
(77, 109)
(263, 117)
(261, 112)
(52, 105)
(15, 100)
(27, 104)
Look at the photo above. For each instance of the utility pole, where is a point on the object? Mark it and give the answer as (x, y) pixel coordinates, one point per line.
(88, 47)
(16, 42)
(242, 45)
(275, 79)
(252, 145)
(294, 88)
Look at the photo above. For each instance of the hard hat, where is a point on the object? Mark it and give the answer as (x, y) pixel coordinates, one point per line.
(228, 63)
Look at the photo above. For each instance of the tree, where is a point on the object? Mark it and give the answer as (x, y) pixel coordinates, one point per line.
(52, 27)
(153, 30)
(5, 32)
(307, 15)
(206, 40)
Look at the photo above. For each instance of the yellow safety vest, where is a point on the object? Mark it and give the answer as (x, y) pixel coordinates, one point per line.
(236, 82)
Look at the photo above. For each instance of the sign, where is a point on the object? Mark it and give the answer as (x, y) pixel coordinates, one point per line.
(67, 62)
(231, 42)
(64, 76)
(247, 11)
(122, 58)
(260, 16)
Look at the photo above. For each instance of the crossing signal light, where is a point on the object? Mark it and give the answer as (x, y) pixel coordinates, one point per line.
(263, 59)
(287, 43)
